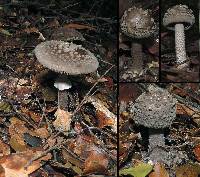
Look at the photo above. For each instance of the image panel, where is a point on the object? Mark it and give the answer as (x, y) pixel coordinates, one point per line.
(58, 92)
(138, 41)
(159, 129)
(179, 41)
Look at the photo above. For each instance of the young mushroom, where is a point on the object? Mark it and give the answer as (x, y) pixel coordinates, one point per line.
(179, 18)
(156, 110)
(137, 24)
(67, 59)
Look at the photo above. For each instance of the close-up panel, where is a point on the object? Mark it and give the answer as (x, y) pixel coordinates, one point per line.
(138, 40)
(58, 91)
(179, 41)
(159, 129)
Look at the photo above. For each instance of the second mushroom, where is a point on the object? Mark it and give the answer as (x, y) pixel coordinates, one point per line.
(179, 18)
(137, 24)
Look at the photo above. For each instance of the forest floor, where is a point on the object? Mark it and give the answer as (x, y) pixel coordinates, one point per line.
(36, 137)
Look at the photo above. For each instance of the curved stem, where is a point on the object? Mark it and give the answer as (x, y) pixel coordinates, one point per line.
(136, 53)
(180, 43)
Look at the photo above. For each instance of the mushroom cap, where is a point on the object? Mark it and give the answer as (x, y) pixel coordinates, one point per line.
(65, 57)
(67, 34)
(137, 23)
(154, 109)
(178, 14)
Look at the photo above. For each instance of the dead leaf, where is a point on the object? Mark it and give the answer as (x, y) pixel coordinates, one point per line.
(103, 119)
(197, 152)
(159, 171)
(188, 170)
(4, 148)
(17, 129)
(14, 165)
(111, 118)
(63, 120)
(79, 26)
(97, 162)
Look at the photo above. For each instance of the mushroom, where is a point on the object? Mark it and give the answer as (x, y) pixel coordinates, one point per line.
(179, 18)
(137, 24)
(65, 58)
(156, 110)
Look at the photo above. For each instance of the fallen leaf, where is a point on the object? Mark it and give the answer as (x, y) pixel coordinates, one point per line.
(4, 148)
(14, 165)
(63, 120)
(97, 162)
(188, 170)
(197, 152)
(159, 171)
(140, 170)
(79, 26)
(104, 112)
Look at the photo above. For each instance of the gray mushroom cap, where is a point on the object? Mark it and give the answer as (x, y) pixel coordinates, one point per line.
(155, 109)
(178, 14)
(65, 57)
(137, 23)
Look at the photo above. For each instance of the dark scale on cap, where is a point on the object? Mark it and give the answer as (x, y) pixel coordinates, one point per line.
(65, 57)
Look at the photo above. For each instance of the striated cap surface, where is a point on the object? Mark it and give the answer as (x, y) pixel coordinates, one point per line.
(154, 109)
(65, 57)
(178, 14)
(137, 23)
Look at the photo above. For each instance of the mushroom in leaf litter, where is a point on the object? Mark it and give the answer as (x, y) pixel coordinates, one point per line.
(179, 18)
(65, 58)
(156, 110)
(137, 24)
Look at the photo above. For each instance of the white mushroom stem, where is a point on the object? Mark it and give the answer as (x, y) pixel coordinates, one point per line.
(180, 43)
(136, 53)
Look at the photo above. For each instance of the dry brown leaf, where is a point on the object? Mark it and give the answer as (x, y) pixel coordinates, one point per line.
(31, 30)
(4, 148)
(182, 109)
(13, 165)
(159, 171)
(197, 152)
(34, 116)
(63, 120)
(97, 162)
(103, 120)
(79, 26)
(42, 132)
(17, 129)
(100, 107)
(188, 170)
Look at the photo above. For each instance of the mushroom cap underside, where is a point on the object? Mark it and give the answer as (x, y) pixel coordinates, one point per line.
(154, 109)
(65, 57)
(137, 23)
(179, 14)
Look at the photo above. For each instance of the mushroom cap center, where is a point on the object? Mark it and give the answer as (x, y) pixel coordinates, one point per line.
(137, 23)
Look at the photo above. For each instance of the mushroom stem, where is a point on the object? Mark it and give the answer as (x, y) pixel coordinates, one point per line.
(136, 53)
(180, 43)
(156, 138)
